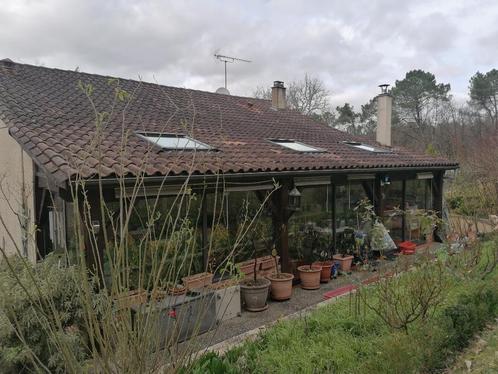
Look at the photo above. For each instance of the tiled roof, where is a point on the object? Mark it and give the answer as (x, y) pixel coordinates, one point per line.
(52, 118)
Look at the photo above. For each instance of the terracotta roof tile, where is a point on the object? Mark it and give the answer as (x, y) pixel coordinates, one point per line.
(51, 117)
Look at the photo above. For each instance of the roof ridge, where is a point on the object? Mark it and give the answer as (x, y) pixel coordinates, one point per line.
(8, 60)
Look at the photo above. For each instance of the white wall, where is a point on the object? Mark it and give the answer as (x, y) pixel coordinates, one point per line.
(16, 180)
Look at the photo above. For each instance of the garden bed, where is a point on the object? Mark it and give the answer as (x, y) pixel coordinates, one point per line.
(336, 339)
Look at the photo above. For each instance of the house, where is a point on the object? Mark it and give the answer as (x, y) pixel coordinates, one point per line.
(60, 127)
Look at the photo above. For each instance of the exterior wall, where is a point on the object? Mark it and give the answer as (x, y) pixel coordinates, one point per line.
(17, 228)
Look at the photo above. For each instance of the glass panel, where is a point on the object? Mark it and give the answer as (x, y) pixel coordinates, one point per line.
(296, 146)
(229, 218)
(315, 212)
(176, 142)
(347, 220)
(418, 199)
(393, 220)
(347, 197)
(367, 147)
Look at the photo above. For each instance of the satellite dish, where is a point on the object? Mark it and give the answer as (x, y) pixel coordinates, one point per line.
(223, 91)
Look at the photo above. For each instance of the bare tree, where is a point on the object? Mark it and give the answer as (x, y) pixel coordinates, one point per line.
(308, 96)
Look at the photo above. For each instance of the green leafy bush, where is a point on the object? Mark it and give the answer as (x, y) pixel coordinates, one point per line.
(35, 299)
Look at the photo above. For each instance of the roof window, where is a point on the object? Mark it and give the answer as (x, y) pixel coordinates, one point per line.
(175, 142)
(296, 146)
(368, 147)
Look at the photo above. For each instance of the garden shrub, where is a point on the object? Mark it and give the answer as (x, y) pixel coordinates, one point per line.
(27, 311)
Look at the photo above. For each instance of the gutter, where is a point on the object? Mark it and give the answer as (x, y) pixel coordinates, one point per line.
(285, 173)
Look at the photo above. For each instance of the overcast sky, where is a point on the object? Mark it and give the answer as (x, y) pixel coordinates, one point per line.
(351, 45)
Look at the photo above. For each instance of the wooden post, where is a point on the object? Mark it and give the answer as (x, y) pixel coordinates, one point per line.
(403, 208)
(94, 245)
(437, 193)
(205, 240)
(334, 217)
(280, 218)
(379, 199)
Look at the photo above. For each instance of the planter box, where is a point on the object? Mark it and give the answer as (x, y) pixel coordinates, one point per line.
(267, 262)
(131, 298)
(180, 317)
(197, 280)
(227, 300)
(246, 267)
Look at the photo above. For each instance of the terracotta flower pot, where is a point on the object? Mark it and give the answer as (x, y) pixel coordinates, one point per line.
(326, 270)
(254, 295)
(294, 265)
(310, 277)
(345, 262)
(281, 286)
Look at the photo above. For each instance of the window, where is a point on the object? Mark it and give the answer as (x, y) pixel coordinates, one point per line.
(296, 146)
(367, 147)
(174, 141)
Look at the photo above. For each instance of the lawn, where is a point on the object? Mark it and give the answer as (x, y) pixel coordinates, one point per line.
(482, 354)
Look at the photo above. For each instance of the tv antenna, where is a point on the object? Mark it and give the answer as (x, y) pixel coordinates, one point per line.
(228, 59)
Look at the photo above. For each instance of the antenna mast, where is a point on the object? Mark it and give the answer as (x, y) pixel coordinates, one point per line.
(230, 60)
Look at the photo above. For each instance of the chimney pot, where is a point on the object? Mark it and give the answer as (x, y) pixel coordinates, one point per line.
(278, 95)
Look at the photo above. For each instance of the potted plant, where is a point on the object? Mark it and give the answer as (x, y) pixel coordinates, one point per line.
(310, 275)
(326, 263)
(429, 221)
(254, 291)
(281, 283)
(344, 257)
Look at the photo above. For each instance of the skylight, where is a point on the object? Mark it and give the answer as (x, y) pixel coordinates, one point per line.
(296, 146)
(175, 142)
(368, 147)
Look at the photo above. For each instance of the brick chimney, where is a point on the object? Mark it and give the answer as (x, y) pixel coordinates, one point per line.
(384, 114)
(278, 95)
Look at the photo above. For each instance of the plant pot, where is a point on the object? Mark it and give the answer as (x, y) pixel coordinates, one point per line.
(310, 277)
(130, 298)
(429, 238)
(197, 280)
(254, 295)
(326, 270)
(281, 286)
(294, 265)
(176, 290)
(344, 262)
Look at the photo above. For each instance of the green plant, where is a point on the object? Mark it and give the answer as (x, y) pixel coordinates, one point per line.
(311, 243)
(429, 221)
(210, 363)
(30, 296)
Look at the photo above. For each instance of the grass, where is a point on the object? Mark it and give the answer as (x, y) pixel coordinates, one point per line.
(336, 339)
(482, 354)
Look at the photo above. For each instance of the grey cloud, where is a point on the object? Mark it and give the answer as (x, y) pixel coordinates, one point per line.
(352, 46)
